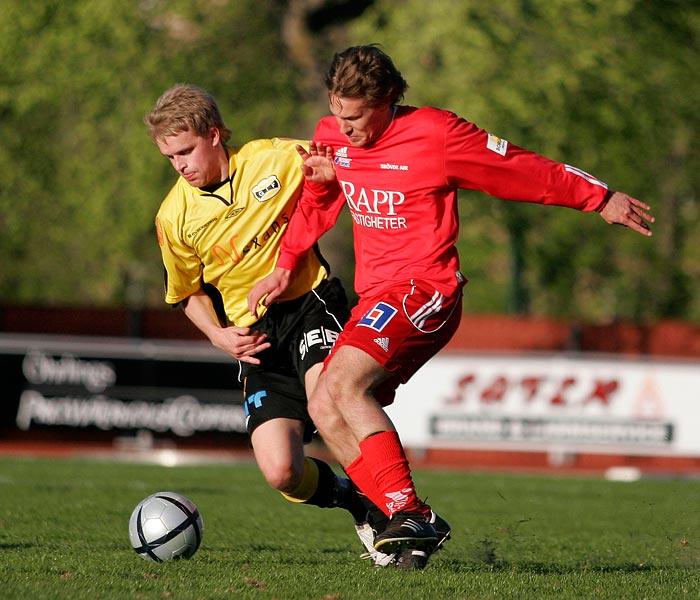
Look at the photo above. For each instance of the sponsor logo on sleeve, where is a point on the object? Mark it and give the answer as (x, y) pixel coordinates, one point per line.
(497, 145)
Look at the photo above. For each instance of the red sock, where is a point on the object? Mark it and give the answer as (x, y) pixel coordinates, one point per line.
(363, 479)
(385, 459)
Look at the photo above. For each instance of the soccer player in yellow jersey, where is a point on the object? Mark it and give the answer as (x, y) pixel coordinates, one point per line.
(219, 231)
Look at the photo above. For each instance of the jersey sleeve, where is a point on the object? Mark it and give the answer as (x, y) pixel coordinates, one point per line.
(476, 159)
(315, 213)
(183, 269)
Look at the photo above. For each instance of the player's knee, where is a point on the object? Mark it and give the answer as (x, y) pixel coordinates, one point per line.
(322, 410)
(317, 410)
(339, 388)
(282, 476)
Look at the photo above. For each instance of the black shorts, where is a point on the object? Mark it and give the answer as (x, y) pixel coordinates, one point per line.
(302, 333)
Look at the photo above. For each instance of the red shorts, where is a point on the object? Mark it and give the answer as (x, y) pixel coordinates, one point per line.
(401, 327)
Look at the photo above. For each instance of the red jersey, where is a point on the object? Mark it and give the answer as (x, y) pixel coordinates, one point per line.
(402, 194)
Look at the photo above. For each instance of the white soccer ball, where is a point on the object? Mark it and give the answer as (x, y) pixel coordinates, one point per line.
(165, 526)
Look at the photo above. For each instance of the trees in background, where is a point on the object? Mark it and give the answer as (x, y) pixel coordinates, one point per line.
(605, 85)
(81, 179)
(602, 85)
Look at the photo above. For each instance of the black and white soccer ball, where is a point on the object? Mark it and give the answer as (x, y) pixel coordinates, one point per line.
(165, 526)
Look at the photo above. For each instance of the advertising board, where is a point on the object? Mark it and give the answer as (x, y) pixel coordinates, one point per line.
(556, 402)
(100, 387)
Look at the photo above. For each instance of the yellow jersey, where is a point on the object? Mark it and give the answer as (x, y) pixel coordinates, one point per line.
(230, 236)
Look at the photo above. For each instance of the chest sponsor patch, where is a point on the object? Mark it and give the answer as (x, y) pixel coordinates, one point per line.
(341, 157)
(497, 145)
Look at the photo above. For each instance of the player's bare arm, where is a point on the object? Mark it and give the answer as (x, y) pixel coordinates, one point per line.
(267, 289)
(240, 342)
(318, 162)
(622, 209)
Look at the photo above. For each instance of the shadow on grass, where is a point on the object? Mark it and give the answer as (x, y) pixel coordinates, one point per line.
(485, 555)
(540, 568)
(17, 546)
(545, 568)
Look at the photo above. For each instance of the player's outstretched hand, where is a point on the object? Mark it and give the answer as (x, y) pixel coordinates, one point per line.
(318, 162)
(267, 289)
(622, 209)
(241, 342)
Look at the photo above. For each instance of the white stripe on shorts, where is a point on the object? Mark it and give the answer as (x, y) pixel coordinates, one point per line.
(431, 307)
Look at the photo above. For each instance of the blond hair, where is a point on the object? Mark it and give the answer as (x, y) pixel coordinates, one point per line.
(185, 107)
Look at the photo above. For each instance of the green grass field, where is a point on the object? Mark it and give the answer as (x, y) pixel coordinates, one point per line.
(64, 534)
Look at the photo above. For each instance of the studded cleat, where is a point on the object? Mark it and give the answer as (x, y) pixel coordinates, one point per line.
(406, 529)
(417, 558)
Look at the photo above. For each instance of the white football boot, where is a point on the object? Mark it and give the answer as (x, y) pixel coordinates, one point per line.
(366, 535)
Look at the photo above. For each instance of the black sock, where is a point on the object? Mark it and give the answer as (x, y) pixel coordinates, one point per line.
(334, 491)
(374, 516)
(372, 513)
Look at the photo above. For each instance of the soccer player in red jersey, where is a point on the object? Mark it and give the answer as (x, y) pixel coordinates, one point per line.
(398, 169)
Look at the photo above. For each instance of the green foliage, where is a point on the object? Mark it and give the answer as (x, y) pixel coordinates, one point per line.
(71, 105)
(83, 180)
(605, 85)
(602, 85)
(64, 534)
